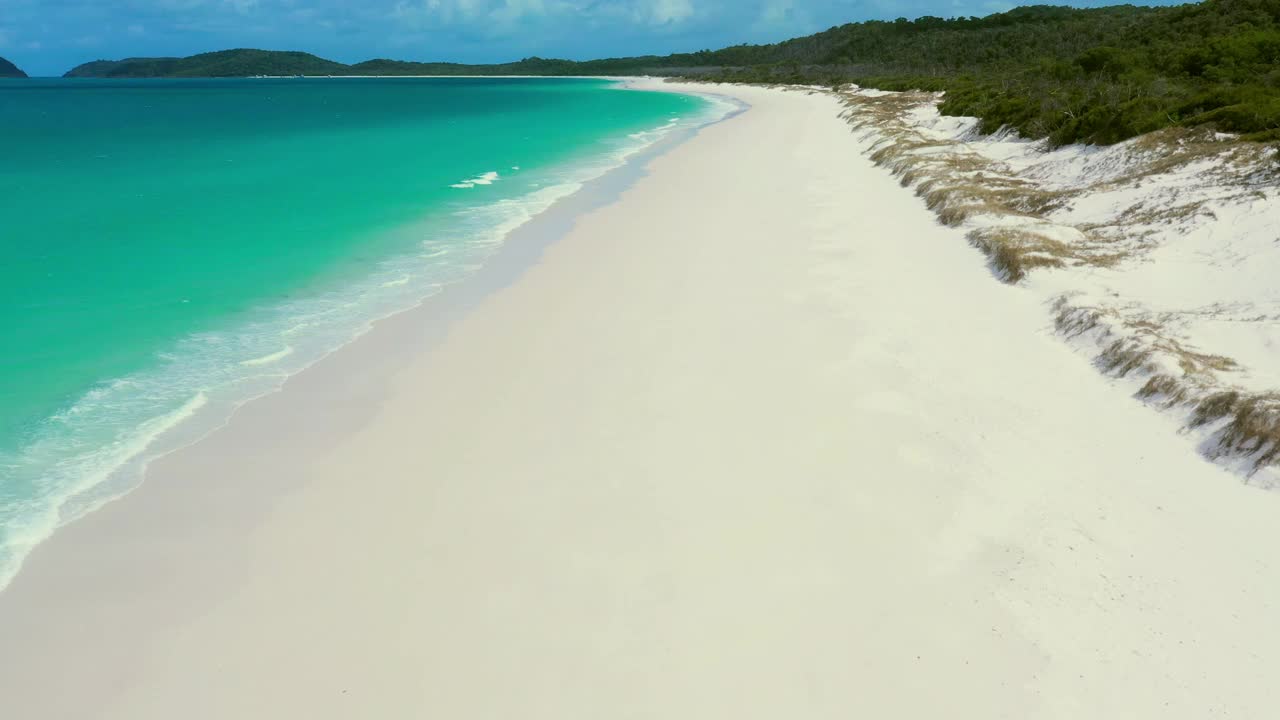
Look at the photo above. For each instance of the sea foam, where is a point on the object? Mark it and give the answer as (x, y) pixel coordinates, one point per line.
(488, 178)
(268, 359)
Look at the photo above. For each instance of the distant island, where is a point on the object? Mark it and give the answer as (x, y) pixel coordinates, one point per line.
(252, 63)
(9, 70)
(1097, 75)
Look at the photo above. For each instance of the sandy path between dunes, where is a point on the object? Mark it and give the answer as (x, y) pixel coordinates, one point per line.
(760, 440)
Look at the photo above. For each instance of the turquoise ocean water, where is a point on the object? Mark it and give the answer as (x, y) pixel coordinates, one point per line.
(173, 248)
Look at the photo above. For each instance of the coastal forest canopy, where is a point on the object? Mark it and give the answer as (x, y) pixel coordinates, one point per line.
(1072, 75)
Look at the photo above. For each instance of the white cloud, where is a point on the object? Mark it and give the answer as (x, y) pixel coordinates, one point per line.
(785, 16)
(511, 10)
(776, 11)
(449, 10)
(452, 11)
(505, 13)
(667, 12)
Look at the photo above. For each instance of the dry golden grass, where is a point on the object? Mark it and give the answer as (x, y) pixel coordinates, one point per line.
(899, 149)
(1252, 428)
(885, 109)
(1254, 431)
(1168, 215)
(957, 200)
(1214, 407)
(1005, 196)
(1127, 355)
(1144, 339)
(1073, 320)
(1014, 251)
(1200, 363)
(1139, 350)
(960, 185)
(1167, 390)
(1171, 149)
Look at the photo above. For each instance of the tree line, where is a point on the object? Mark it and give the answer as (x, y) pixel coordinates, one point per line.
(1072, 75)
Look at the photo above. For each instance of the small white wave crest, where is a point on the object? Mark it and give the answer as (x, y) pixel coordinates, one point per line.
(488, 178)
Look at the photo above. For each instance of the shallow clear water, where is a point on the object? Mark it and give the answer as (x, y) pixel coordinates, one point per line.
(173, 248)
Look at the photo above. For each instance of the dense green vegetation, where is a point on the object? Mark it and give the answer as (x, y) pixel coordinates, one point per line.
(1097, 75)
(9, 70)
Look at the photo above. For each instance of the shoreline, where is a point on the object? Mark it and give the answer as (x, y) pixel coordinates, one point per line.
(752, 435)
(210, 408)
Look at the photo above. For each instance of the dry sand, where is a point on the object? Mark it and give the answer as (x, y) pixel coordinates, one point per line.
(758, 440)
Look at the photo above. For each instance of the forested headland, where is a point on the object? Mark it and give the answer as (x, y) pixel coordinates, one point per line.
(1071, 75)
(9, 70)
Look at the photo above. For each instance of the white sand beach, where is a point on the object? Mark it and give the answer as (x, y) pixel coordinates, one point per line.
(758, 439)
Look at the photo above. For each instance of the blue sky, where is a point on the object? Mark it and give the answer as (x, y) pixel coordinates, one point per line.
(47, 37)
